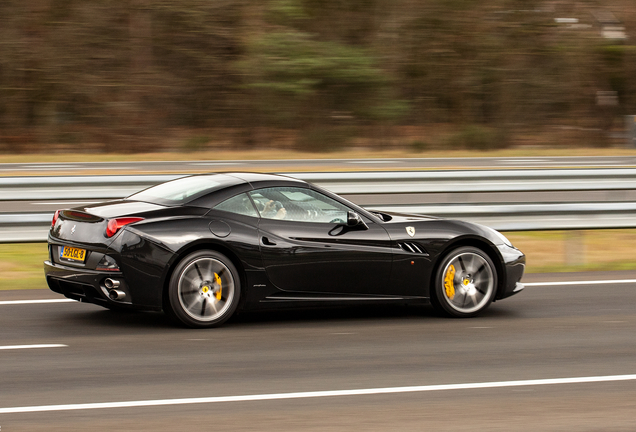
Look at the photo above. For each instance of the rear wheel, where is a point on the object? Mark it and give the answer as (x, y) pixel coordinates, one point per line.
(465, 283)
(204, 289)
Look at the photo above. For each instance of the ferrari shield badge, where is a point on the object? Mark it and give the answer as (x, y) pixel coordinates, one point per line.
(410, 231)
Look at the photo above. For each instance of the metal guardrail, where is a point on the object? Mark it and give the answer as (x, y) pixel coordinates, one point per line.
(405, 192)
(76, 187)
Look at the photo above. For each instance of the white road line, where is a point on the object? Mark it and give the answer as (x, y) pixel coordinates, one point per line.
(525, 284)
(15, 347)
(48, 166)
(17, 302)
(373, 162)
(213, 163)
(524, 160)
(315, 394)
(592, 282)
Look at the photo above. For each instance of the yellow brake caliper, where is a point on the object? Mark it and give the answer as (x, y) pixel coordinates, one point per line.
(449, 285)
(217, 279)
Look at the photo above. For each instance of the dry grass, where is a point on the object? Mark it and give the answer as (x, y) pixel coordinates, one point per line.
(238, 155)
(21, 266)
(563, 251)
(546, 251)
(432, 141)
(276, 154)
(63, 158)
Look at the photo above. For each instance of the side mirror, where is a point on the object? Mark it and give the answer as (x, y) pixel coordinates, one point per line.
(354, 220)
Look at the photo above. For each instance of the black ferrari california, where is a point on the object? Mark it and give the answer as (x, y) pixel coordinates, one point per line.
(203, 246)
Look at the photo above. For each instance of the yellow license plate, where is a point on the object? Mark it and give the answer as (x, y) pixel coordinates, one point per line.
(73, 254)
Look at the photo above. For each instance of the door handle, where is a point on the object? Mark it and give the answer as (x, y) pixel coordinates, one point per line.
(267, 242)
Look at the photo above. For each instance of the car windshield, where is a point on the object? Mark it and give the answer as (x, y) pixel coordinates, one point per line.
(183, 190)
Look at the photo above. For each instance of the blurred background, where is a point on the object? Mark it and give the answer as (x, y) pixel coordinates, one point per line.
(314, 75)
(98, 97)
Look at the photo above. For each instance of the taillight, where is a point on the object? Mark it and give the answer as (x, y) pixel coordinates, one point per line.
(55, 217)
(115, 225)
(107, 263)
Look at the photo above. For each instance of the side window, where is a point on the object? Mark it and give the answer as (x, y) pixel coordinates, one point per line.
(299, 205)
(240, 204)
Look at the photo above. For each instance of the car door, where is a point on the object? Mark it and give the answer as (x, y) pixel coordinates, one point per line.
(307, 247)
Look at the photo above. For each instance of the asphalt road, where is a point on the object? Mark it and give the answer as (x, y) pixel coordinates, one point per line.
(8, 169)
(544, 332)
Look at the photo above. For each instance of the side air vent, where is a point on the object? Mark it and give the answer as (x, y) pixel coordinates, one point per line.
(412, 247)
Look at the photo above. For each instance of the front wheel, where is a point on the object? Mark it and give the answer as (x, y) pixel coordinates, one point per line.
(204, 290)
(465, 283)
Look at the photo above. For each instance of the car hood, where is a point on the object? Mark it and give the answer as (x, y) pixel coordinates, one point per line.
(418, 227)
(403, 217)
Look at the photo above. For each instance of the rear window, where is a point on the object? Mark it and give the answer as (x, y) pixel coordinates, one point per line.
(184, 190)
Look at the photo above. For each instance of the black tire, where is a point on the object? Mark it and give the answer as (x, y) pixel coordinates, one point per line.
(465, 283)
(204, 290)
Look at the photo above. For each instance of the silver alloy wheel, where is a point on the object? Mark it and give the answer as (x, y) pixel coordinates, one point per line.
(468, 282)
(205, 289)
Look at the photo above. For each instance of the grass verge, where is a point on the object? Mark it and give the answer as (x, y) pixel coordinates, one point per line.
(546, 252)
(275, 154)
(21, 266)
(568, 251)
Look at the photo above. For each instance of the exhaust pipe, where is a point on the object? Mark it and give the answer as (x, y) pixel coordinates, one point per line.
(111, 284)
(116, 294)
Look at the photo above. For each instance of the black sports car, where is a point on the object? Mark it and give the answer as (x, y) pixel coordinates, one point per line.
(200, 247)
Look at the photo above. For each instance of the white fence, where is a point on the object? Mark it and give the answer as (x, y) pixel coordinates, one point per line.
(507, 200)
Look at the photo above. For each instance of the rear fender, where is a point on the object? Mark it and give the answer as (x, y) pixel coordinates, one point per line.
(205, 244)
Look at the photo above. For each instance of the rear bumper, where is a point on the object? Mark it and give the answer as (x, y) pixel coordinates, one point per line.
(86, 285)
(514, 262)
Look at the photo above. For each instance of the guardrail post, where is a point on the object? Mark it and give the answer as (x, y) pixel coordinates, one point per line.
(574, 247)
(630, 123)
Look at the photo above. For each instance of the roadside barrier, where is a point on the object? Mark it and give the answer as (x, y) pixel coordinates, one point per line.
(507, 200)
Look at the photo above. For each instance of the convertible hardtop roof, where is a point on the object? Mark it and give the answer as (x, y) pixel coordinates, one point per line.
(255, 179)
(206, 190)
